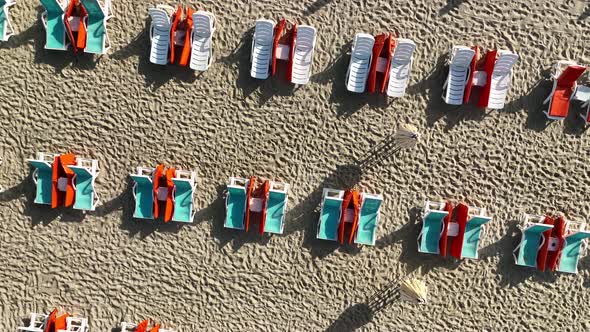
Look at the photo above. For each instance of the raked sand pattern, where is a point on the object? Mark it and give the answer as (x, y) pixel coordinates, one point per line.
(201, 277)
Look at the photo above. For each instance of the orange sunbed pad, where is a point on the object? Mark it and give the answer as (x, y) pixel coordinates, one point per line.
(188, 28)
(50, 325)
(350, 197)
(489, 64)
(265, 191)
(66, 160)
(387, 52)
(142, 327)
(249, 191)
(157, 177)
(61, 322)
(461, 219)
(544, 250)
(559, 233)
(175, 22)
(155, 328)
(444, 236)
(292, 51)
(278, 33)
(565, 88)
(473, 67)
(78, 39)
(377, 48)
(169, 209)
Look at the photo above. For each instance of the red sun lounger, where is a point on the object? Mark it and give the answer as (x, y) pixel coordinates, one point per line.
(564, 86)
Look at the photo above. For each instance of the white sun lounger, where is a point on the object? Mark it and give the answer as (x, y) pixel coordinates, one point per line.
(6, 29)
(303, 54)
(262, 45)
(360, 61)
(36, 324)
(501, 79)
(159, 35)
(401, 67)
(459, 72)
(201, 40)
(75, 324)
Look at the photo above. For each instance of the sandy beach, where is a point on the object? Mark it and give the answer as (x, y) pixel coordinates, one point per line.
(126, 112)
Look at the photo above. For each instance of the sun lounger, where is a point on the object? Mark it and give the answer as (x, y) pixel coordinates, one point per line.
(202, 40)
(262, 48)
(143, 193)
(360, 62)
(53, 21)
(97, 39)
(368, 219)
(303, 54)
(37, 323)
(75, 324)
(577, 235)
(401, 67)
(159, 35)
(185, 184)
(459, 73)
(432, 227)
(86, 171)
(43, 177)
(236, 203)
(531, 241)
(330, 214)
(472, 232)
(564, 86)
(583, 94)
(6, 29)
(498, 81)
(276, 205)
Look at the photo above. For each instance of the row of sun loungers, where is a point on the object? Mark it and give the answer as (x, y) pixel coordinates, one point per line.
(79, 23)
(181, 36)
(55, 322)
(380, 62)
(282, 41)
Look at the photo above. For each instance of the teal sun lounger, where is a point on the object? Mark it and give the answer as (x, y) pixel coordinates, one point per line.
(276, 206)
(432, 223)
(235, 203)
(330, 214)
(532, 237)
(184, 189)
(42, 176)
(472, 236)
(143, 192)
(96, 26)
(86, 172)
(55, 28)
(368, 219)
(6, 30)
(571, 251)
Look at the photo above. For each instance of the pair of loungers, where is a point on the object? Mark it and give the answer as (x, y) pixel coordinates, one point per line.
(175, 187)
(493, 74)
(250, 200)
(55, 322)
(64, 25)
(191, 32)
(453, 229)
(348, 216)
(380, 62)
(65, 180)
(552, 243)
(565, 88)
(6, 29)
(272, 42)
(141, 327)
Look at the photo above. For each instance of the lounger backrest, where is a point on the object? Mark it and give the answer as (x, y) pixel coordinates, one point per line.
(529, 246)
(462, 57)
(363, 46)
(306, 37)
(570, 254)
(202, 24)
(263, 32)
(472, 236)
(404, 49)
(160, 19)
(570, 75)
(431, 229)
(504, 63)
(94, 10)
(368, 219)
(52, 7)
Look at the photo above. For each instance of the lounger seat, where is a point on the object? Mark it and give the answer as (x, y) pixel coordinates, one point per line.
(6, 30)
(262, 47)
(185, 184)
(303, 54)
(97, 40)
(53, 21)
(276, 205)
(360, 62)
(401, 67)
(330, 214)
(368, 219)
(235, 203)
(459, 71)
(86, 171)
(564, 85)
(202, 40)
(432, 227)
(143, 193)
(160, 28)
(532, 239)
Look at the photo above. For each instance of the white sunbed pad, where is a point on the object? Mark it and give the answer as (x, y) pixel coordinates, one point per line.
(202, 35)
(160, 36)
(401, 66)
(501, 78)
(458, 74)
(303, 54)
(262, 49)
(360, 61)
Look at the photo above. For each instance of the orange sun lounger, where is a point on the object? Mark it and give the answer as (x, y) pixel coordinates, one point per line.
(564, 85)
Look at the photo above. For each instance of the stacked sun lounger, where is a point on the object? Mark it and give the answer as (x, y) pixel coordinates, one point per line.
(451, 229)
(282, 41)
(250, 201)
(65, 180)
(142, 327)
(81, 24)
(181, 36)
(380, 64)
(173, 188)
(550, 243)
(349, 215)
(565, 88)
(470, 68)
(6, 29)
(55, 322)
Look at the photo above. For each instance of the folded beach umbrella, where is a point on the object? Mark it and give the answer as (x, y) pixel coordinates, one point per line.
(413, 290)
